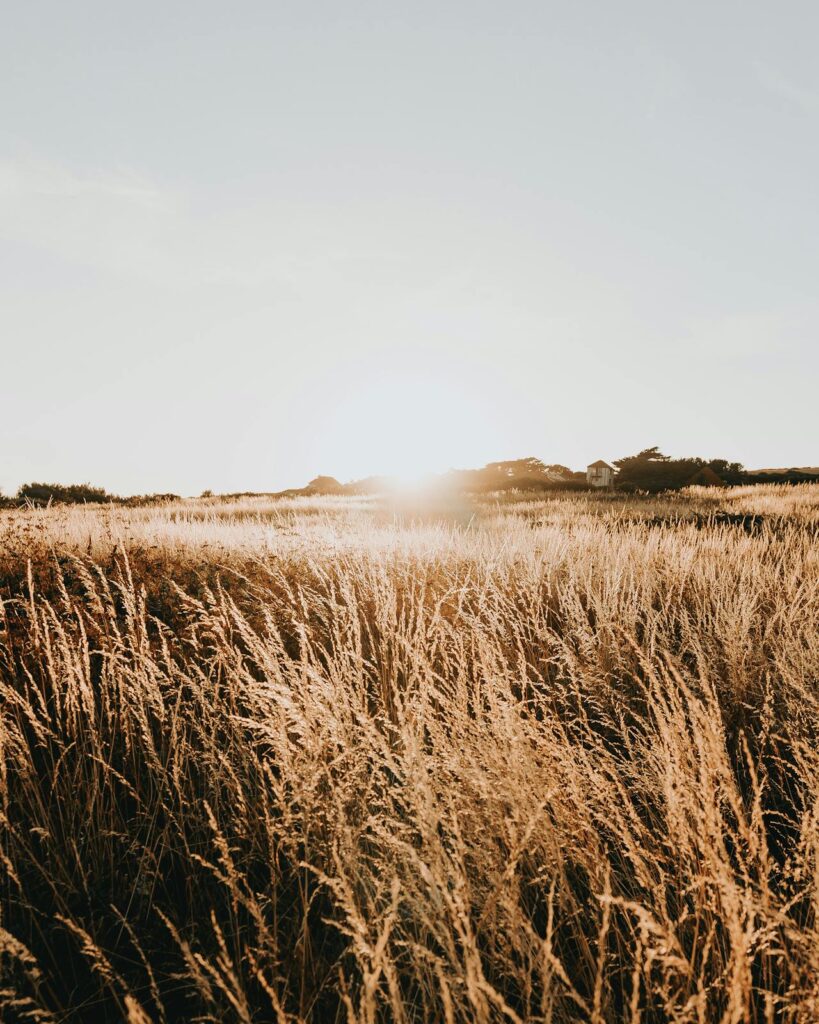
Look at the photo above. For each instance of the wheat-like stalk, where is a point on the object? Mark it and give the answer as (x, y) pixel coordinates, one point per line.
(539, 759)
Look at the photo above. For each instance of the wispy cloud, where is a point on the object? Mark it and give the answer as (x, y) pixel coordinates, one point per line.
(120, 222)
(111, 219)
(23, 177)
(780, 85)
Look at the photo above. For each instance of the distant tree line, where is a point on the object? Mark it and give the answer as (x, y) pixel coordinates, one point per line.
(66, 494)
(650, 470)
(529, 474)
(40, 494)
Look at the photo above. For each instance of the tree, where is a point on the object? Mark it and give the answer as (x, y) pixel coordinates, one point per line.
(516, 468)
(648, 455)
(650, 470)
(730, 472)
(513, 474)
(523, 473)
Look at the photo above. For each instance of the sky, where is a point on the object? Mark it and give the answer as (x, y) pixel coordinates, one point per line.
(244, 244)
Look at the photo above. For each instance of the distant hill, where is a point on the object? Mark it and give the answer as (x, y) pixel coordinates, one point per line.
(807, 470)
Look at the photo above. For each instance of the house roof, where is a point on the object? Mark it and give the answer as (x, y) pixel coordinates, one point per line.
(599, 465)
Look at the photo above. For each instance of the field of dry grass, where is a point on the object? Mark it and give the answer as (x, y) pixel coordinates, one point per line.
(540, 759)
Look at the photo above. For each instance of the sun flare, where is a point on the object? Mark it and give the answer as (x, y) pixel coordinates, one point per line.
(404, 425)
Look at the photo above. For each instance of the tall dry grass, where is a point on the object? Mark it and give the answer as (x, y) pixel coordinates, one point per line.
(541, 760)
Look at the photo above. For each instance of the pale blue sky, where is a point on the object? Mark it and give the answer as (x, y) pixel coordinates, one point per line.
(245, 243)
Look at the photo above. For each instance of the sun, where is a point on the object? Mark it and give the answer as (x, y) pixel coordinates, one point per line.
(402, 425)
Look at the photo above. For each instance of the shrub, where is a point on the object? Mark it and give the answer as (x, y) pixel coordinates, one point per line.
(67, 494)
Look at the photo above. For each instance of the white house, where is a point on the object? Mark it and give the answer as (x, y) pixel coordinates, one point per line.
(600, 474)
